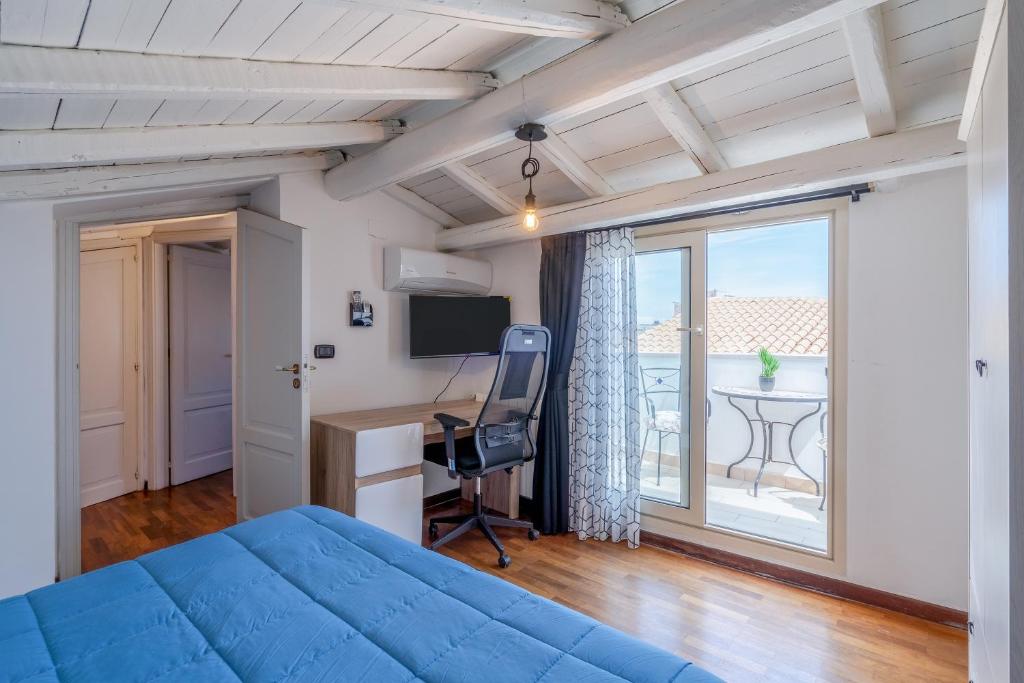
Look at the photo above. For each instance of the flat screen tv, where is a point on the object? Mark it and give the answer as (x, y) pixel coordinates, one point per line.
(456, 325)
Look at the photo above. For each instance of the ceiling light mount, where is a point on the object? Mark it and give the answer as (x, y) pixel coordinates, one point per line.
(531, 132)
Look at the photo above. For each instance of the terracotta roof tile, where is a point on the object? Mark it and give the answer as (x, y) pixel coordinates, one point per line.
(786, 325)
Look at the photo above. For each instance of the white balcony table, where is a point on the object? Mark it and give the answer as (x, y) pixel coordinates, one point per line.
(732, 394)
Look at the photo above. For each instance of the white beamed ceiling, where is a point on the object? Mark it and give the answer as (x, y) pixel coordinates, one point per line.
(794, 96)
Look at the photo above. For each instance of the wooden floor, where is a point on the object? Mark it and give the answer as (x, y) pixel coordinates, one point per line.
(126, 527)
(741, 627)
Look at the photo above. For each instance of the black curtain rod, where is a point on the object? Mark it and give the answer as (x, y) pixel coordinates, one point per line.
(852, 191)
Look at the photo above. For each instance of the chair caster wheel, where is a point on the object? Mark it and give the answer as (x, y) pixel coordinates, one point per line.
(432, 531)
(504, 561)
(533, 535)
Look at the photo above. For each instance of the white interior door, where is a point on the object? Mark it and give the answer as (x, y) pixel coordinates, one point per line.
(200, 362)
(108, 356)
(272, 404)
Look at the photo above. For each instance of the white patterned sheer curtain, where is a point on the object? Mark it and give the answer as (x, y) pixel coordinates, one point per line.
(604, 396)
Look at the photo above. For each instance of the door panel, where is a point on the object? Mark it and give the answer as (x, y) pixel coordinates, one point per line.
(272, 406)
(669, 271)
(200, 362)
(108, 392)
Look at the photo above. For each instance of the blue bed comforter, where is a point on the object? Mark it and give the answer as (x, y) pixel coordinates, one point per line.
(310, 594)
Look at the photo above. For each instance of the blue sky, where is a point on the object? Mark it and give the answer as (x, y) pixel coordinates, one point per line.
(780, 260)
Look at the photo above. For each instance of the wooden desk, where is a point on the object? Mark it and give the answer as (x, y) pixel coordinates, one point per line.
(501, 490)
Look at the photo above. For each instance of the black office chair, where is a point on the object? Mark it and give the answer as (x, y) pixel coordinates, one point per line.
(501, 438)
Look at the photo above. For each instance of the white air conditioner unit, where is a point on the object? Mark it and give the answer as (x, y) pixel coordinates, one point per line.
(430, 272)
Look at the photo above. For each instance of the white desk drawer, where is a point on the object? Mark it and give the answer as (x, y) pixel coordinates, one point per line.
(388, 448)
(395, 506)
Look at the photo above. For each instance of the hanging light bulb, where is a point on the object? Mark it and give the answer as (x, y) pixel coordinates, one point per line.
(530, 220)
(530, 168)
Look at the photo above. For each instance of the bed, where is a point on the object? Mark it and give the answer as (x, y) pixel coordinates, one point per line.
(310, 594)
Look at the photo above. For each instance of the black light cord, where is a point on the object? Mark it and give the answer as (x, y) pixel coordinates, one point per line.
(452, 379)
(530, 167)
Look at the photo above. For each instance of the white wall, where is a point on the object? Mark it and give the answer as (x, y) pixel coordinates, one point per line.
(907, 529)
(907, 399)
(371, 369)
(27, 342)
(907, 513)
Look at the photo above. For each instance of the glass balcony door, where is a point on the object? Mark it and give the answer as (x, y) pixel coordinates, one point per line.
(670, 343)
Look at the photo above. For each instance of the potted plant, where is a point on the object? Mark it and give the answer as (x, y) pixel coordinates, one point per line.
(769, 366)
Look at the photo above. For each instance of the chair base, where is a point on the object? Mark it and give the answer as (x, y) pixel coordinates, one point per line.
(478, 519)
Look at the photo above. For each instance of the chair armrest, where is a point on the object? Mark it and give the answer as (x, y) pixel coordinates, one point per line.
(450, 423)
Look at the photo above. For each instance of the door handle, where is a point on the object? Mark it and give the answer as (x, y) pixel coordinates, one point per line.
(293, 368)
(699, 330)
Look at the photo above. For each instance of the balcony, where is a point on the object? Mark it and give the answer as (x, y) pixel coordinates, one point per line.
(788, 505)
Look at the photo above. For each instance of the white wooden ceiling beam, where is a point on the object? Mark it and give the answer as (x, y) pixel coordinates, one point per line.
(679, 120)
(478, 185)
(422, 206)
(581, 19)
(676, 41)
(80, 147)
(573, 166)
(990, 22)
(60, 71)
(71, 182)
(865, 39)
(867, 160)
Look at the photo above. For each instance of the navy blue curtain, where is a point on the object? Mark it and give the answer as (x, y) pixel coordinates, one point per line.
(561, 281)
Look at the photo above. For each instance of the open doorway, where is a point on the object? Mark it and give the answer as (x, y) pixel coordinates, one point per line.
(270, 379)
(156, 349)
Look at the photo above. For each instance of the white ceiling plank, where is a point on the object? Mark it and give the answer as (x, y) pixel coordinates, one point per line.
(83, 112)
(121, 24)
(297, 32)
(422, 206)
(427, 34)
(685, 37)
(478, 185)
(283, 111)
(680, 122)
(865, 38)
(132, 113)
(40, 149)
(56, 23)
(15, 185)
(586, 19)
(250, 111)
(58, 71)
(384, 36)
(21, 112)
(867, 160)
(188, 26)
(986, 42)
(569, 162)
(341, 35)
(249, 25)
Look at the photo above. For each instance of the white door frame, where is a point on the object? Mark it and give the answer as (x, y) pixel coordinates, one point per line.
(68, 247)
(156, 332)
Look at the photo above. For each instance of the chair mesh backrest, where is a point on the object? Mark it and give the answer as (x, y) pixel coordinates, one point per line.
(515, 395)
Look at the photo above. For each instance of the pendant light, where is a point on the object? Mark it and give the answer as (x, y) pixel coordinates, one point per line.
(530, 132)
